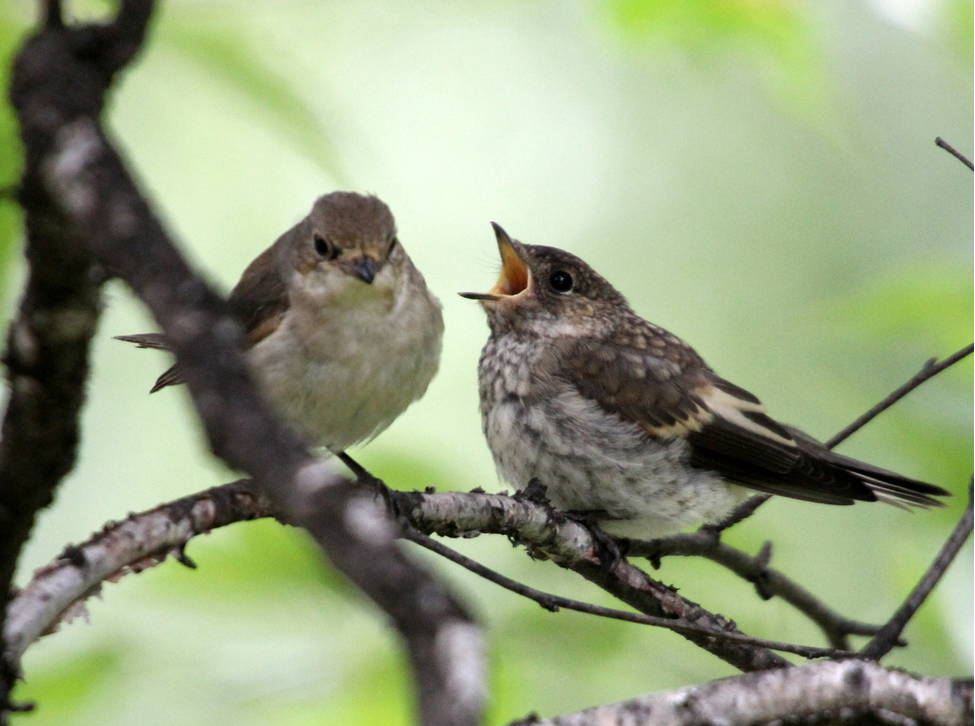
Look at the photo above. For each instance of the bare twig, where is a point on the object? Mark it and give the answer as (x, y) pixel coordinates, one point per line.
(954, 152)
(929, 370)
(706, 542)
(885, 639)
(850, 691)
(772, 582)
(555, 602)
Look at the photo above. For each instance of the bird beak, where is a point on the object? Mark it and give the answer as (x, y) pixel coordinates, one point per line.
(515, 276)
(363, 267)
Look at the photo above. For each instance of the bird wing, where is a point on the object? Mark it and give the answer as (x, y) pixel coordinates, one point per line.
(658, 382)
(258, 302)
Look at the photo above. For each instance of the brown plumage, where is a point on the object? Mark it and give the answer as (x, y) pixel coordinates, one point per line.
(570, 367)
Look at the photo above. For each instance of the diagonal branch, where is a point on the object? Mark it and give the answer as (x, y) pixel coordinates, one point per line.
(954, 152)
(75, 177)
(928, 371)
(884, 640)
(131, 545)
(555, 602)
(768, 581)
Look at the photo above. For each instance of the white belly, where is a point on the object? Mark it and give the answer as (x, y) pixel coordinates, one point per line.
(590, 460)
(350, 373)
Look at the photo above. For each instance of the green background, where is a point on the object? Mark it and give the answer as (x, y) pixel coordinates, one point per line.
(758, 176)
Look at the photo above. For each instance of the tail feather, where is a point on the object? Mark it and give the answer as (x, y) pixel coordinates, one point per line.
(156, 341)
(889, 486)
(885, 485)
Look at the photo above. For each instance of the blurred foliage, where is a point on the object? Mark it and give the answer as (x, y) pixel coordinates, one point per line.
(237, 61)
(757, 175)
(11, 157)
(775, 35)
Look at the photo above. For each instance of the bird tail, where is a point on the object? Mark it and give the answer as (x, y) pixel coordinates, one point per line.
(156, 341)
(890, 487)
(885, 485)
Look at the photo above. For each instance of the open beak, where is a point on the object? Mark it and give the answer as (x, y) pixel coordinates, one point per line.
(515, 277)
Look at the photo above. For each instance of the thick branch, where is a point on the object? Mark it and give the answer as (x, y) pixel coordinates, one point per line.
(119, 546)
(73, 172)
(137, 542)
(848, 691)
(571, 545)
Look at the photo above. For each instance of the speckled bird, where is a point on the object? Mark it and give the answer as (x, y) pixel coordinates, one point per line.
(341, 331)
(623, 421)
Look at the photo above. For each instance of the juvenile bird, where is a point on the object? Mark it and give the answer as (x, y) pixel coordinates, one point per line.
(622, 420)
(341, 332)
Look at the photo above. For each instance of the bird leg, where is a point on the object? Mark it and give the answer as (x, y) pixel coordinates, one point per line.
(611, 550)
(362, 474)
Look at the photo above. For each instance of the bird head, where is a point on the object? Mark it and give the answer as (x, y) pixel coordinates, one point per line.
(346, 249)
(546, 290)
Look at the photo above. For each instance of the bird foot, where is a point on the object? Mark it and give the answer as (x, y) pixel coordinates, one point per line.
(365, 478)
(535, 492)
(610, 550)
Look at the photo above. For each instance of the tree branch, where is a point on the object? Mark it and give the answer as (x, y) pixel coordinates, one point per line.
(954, 152)
(929, 370)
(768, 582)
(145, 539)
(554, 603)
(888, 635)
(572, 546)
(77, 185)
(132, 545)
(840, 692)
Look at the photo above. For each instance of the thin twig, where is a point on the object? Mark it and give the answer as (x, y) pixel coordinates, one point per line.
(954, 152)
(884, 640)
(772, 582)
(929, 370)
(554, 602)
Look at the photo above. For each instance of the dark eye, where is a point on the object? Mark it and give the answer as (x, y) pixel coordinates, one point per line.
(560, 280)
(325, 248)
(392, 245)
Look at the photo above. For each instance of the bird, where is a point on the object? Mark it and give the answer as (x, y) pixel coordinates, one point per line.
(340, 330)
(623, 422)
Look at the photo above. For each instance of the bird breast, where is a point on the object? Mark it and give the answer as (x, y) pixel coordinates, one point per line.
(342, 374)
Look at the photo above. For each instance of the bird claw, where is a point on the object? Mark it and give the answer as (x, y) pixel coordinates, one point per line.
(535, 492)
(610, 550)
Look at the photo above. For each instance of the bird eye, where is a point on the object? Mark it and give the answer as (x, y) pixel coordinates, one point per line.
(325, 248)
(392, 245)
(560, 280)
